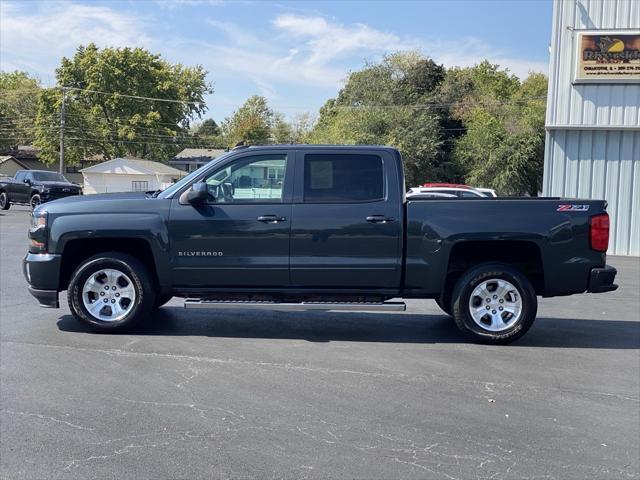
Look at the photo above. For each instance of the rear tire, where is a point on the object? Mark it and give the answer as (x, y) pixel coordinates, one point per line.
(494, 303)
(118, 282)
(5, 204)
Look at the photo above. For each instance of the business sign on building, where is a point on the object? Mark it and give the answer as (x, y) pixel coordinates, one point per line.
(608, 57)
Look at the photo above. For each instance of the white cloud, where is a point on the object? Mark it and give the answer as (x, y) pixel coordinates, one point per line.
(471, 51)
(171, 4)
(235, 33)
(310, 53)
(325, 41)
(36, 40)
(313, 51)
(303, 50)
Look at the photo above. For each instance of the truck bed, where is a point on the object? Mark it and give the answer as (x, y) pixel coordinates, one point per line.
(557, 230)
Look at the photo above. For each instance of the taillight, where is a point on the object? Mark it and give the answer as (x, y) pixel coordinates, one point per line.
(599, 232)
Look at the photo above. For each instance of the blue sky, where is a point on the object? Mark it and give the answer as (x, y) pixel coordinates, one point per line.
(297, 54)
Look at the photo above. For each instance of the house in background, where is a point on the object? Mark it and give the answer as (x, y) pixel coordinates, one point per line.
(73, 172)
(191, 159)
(29, 157)
(9, 165)
(129, 175)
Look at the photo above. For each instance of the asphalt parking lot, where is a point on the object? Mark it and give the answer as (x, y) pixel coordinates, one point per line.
(317, 395)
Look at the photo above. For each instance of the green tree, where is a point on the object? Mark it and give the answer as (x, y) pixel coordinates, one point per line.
(103, 118)
(208, 128)
(295, 131)
(207, 134)
(18, 98)
(503, 146)
(281, 131)
(252, 123)
(389, 103)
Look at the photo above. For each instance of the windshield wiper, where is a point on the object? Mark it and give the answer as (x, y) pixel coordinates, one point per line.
(153, 194)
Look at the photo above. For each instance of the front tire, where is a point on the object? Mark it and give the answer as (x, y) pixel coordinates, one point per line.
(111, 292)
(35, 201)
(5, 204)
(494, 303)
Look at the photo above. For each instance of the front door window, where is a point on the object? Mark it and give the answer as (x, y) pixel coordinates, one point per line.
(258, 179)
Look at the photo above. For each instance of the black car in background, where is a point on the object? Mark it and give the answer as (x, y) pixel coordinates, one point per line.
(33, 187)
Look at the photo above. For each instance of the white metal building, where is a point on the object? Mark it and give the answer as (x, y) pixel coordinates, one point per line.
(129, 175)
(593, 111)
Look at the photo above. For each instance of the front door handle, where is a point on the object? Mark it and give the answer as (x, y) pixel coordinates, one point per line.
(271, 219)
(379, 219)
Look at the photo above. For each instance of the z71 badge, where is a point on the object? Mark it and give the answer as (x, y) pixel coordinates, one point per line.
(573, 208)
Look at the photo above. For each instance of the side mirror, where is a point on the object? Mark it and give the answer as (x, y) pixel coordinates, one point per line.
(196, 195)
(27, 181)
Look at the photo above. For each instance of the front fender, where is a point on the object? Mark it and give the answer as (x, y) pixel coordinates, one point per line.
(150, 227)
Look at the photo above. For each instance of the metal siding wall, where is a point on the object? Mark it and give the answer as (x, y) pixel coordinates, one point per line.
(600, 163)
(588, 104)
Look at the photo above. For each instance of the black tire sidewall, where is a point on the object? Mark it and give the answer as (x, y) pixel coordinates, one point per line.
(35, 195)
(470, 280)
(142, 284)
(7, 203)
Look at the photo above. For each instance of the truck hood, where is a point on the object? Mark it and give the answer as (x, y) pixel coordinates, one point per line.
(111, 202)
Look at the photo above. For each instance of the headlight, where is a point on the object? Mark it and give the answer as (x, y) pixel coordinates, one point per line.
(38, 219)
(44, 189)
(38, 231)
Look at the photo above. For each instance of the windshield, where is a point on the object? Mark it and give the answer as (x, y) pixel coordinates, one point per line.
(189, 178)
(49, 177)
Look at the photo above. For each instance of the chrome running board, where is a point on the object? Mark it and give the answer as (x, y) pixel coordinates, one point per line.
(296, 306)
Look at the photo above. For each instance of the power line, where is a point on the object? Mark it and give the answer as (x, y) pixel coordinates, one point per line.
(177, 144)
(426, 105)
(87, 90)
(138, 97)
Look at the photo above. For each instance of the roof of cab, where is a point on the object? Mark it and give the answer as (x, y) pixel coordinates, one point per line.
(303, 146)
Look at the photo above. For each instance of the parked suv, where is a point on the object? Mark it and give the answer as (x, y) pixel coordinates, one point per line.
(33, 187)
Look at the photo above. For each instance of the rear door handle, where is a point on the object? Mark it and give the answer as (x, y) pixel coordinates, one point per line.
(379, 219)
(271, 219)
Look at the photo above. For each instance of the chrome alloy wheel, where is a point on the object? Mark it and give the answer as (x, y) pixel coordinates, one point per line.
(108, 295)
(495, 305)
(35, 201)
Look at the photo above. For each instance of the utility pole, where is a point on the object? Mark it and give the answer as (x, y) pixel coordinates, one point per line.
(62, 120)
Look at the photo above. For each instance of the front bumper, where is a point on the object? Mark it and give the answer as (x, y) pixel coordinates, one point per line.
(46, 298)
(50, 196)
(42, 271)
(601, 280)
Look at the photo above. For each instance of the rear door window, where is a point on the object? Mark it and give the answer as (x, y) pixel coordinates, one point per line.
(343, 178)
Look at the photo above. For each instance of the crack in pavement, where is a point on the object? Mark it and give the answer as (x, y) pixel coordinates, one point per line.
(46, 417)
(486, 385)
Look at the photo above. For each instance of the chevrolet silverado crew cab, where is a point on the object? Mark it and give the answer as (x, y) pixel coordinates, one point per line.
(33, 187)
(310, 227)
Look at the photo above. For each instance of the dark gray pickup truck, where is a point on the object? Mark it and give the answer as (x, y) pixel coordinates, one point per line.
(33, 187)
(301, 227)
